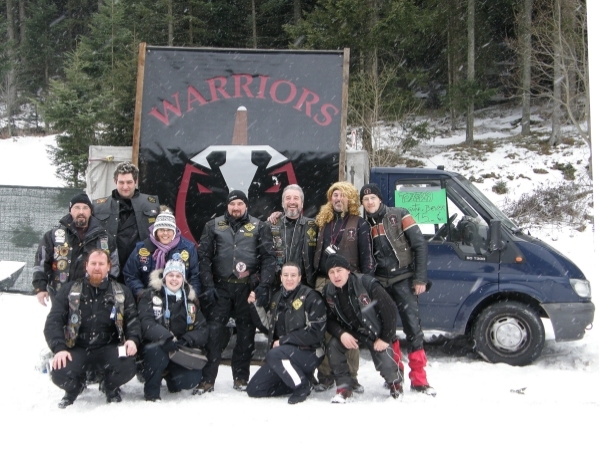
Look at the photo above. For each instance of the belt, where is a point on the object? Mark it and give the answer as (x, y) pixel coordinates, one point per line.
(245, 280)
(386, 282)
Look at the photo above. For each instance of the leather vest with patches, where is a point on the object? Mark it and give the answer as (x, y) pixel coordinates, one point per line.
(359, 286)
(236, 254)
(74, 318)
(348, 246)
(392, 224)
(295, 314)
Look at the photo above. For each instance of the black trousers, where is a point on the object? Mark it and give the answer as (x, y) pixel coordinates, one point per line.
(233, 302)
(387, 363)
(157, 366)
(286, 368)
(117, 371)
(408, 308)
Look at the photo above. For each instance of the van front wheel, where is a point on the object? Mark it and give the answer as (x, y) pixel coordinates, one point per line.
(509, 332)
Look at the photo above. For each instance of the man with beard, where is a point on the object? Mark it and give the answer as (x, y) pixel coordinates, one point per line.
(236, 257)
(127, 213)
(295, 236)
(93, 325)
(295, 325)
(401, 254)
(61, 254)
(343, 232)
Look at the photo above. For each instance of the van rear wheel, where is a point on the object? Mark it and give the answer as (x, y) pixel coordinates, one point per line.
(509, 332)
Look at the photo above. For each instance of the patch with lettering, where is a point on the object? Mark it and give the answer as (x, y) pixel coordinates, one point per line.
(104, 243)
(61, 265)
(249, 226)
(151, 199)
(144, 252)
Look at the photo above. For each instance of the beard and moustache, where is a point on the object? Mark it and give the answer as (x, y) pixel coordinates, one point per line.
(81, 221)
(96, 279)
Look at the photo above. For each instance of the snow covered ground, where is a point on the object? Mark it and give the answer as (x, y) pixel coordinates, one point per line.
(477, 403)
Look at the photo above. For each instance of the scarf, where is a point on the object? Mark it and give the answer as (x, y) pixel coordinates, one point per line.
(162, 250)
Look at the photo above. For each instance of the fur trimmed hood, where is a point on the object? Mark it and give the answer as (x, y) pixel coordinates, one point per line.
(156, 283)
(326, 213)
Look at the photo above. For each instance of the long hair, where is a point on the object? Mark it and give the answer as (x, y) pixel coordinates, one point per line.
(326, 213)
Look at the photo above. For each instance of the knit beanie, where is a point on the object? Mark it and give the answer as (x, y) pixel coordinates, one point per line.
(80, 198)
(237, 195)
(165, 220)
(336, 260)
(174, 265)
(368, 189)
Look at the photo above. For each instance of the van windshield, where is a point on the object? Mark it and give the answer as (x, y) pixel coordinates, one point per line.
(487, 204)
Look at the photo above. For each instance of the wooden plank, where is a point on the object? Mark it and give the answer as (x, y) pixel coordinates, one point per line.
(344, 112)
(139, 91)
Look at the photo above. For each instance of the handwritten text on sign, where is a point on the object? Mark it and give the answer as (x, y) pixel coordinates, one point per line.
(426, 206)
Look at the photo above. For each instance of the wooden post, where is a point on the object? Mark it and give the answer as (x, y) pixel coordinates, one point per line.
(139, 91)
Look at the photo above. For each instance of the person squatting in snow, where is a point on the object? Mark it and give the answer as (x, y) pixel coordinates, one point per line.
(93, 325)
(295, 323)
(172, 324)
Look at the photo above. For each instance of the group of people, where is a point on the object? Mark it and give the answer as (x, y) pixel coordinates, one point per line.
(122, 279)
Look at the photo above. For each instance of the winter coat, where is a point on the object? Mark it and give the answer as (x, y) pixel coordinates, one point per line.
(97, 327)
(141, 264)
(157, 328)
(60, 257)
(127, 221)
(300, 317)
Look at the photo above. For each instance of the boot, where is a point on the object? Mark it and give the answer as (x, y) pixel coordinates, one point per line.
(418, 378)
(300, 393)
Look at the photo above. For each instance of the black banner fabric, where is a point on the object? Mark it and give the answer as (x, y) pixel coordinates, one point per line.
(218, 120)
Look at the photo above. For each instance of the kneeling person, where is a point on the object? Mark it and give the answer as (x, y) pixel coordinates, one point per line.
(93, 325)
(172, 325)
(295, 323)
(359, 311)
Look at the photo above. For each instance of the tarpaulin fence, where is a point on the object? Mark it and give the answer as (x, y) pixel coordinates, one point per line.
(26, 213)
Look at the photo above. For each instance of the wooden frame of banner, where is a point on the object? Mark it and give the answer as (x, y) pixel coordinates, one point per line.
(137, 117)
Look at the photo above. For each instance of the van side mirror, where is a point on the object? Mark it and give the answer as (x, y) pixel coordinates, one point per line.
(495, 241)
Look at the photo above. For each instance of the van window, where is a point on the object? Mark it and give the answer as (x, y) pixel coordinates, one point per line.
(423, 215)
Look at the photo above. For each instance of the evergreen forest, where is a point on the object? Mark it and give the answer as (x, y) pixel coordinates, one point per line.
(69, 66)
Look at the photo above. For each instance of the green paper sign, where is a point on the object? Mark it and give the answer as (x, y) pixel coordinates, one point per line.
(425, 205)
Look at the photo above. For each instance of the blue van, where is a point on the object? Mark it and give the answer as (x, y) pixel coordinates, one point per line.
(490, 280)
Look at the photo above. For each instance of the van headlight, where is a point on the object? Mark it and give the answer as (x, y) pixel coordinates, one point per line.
(581, 287)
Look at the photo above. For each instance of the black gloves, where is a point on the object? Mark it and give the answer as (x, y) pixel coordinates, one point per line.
(262, 295)
(211, 296)
(170, 345)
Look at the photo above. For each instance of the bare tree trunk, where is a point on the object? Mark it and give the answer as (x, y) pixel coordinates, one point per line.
(525, 33)
(22, 19)
(170, 22)
(254, 34)
(371, 70)
(453, 57)
(9, 80)
(555, 137)
(297, 11)
(470, 68)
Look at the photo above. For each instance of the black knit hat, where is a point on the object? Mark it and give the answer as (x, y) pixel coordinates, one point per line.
(80, 198)
(237, 195)
(370, 188)
(336, 260)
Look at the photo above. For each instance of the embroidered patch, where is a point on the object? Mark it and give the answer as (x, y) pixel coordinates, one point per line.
(63, 277)
(143, 259)
(151, 219)
(101, 200)
(64, 250)
(54, 266)
(364, 299)
(249, 226)
(104, 243)
(157, 300)
(351, 234)
(331, 303)
(62, 265)
(240, 267)
(144, 252)
(297, 304)
(311, 233)
(151, 199)
(393, 220)
(185, 255)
